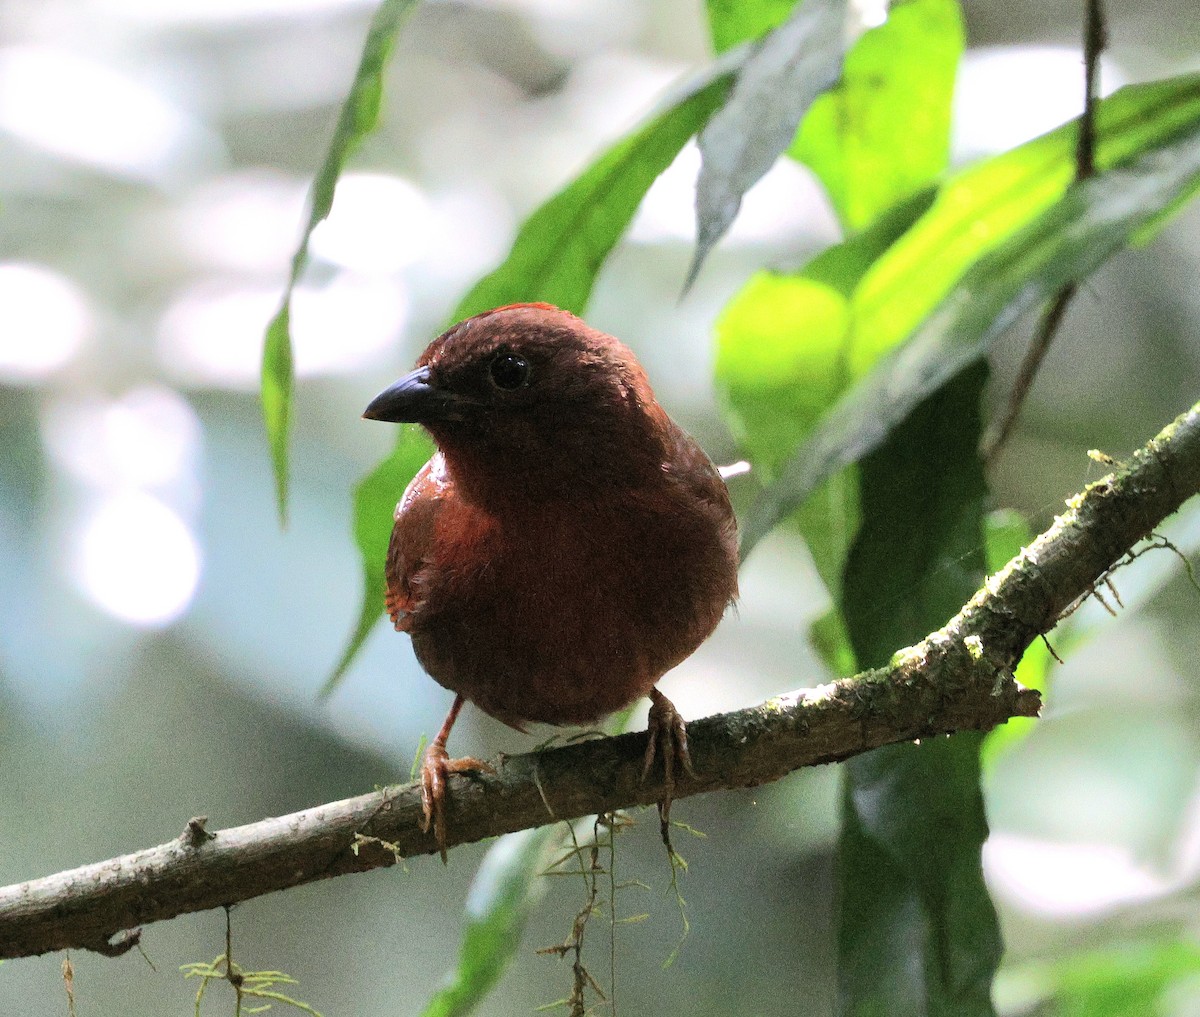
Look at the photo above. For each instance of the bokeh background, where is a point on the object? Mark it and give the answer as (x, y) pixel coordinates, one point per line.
(162, 641)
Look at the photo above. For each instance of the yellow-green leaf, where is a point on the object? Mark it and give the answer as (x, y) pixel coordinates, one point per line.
(883, 132)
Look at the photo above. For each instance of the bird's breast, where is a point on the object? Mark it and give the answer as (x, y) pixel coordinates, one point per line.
(563, 613)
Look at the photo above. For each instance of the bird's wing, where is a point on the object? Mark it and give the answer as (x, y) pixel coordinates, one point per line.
(410, 549)
(689, 466)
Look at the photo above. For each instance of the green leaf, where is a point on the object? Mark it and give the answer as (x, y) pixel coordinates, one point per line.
(981, 209)
(918, 936)
(883, 132)
(777, 84)
(909, 880)
(503, 894)
(358, 117)
(375, 498)
(559, 250)
(1017, 260)
(783, 341)
(278, 384)
(919, 553)
(555, 257)
(1130, 980)
(781, 363)
(733, 21)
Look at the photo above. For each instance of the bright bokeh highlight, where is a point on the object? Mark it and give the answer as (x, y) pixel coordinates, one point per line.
(212, 333)
(91, 113)
(217, 12)
(379, 224)
(138, 560)
(1068, 880)
(44, 320)
(1007, 95)
(243, 222)
(150, 437)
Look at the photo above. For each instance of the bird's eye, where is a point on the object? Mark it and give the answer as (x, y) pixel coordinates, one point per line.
(508, 371)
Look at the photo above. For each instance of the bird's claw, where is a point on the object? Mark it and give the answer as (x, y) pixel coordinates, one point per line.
(436, 767)
(666, 726)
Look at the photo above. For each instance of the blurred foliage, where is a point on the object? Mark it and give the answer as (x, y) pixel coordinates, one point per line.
(882, 133)
(1129, 981)
(359, 117)
(508, 885)
(734, 21)
(918, 932)
(775, 87)
(851, 382)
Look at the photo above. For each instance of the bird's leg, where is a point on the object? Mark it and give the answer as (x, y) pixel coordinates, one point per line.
(667, 726)
(435, 769)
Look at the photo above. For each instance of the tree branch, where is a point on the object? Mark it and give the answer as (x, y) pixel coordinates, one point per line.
(958, 678)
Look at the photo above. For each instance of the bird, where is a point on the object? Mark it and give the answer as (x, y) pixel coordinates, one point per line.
(566, 545)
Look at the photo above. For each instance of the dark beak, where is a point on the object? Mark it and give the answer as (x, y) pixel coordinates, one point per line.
(415, 400)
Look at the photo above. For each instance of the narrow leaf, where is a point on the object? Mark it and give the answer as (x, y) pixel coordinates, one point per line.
(505, 891)
(918, 936)
(776, 86)
(883, 132)
(560, 248)
(1065, 243)
(358, 117)
(278, 383)
(375, 497)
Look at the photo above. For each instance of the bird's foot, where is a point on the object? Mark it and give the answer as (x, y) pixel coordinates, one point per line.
(436, 767)
(666, 726)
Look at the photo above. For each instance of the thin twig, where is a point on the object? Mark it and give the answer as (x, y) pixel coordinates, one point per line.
(1094, 39)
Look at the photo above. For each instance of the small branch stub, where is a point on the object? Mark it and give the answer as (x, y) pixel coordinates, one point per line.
(194, 834)
(114, 946)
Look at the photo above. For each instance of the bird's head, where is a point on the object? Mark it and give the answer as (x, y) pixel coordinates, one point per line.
(531, 390)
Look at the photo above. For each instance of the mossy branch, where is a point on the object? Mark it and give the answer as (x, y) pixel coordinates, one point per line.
(958, 678)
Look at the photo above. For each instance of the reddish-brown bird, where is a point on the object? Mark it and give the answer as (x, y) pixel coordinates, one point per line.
(567, 545)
